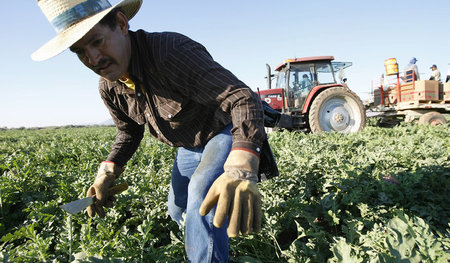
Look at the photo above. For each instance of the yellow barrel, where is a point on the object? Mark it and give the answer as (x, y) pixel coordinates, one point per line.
(391, 66)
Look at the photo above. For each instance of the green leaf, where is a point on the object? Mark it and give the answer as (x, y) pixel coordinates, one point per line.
(343, 252)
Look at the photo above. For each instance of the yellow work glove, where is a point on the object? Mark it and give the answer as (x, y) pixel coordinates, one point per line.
(106, 175)
(236, 195)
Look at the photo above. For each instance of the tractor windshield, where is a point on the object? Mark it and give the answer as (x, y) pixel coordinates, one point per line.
(281, 80)
(301, 77)
(301, 81)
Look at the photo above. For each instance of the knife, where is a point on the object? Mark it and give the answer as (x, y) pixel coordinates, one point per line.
(79, 205)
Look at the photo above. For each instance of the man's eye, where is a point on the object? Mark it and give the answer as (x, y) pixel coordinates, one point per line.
(97, 42)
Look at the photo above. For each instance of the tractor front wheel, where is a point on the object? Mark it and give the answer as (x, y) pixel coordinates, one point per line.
(337, 109)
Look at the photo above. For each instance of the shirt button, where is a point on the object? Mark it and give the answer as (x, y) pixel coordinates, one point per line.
(170, 116)
(139, 94)
(258, 150)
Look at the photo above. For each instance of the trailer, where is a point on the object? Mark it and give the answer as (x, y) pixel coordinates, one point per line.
(400, 97)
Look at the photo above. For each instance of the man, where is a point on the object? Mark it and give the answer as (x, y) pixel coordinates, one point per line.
(306, 83)
(447, 79)
(170, 84)
(435, 74)
(411, 71)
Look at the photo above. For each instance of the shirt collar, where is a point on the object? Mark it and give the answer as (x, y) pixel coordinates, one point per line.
(118, 86)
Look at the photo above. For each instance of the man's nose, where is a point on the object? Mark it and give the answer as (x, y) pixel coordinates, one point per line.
(93, 56)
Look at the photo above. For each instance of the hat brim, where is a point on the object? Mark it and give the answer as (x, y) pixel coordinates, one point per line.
(69, 36)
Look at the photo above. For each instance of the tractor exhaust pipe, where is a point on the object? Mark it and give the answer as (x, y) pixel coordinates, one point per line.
(269, 77)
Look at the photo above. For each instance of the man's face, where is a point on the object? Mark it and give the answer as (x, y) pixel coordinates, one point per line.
(107, 52)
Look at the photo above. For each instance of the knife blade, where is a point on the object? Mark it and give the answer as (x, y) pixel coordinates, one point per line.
(79, 205)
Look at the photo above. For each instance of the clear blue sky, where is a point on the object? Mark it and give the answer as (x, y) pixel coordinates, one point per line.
(241, 35)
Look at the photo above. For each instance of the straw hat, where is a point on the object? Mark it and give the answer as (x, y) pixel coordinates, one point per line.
(72, 19)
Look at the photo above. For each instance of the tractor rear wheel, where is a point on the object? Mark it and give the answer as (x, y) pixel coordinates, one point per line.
(337, 109)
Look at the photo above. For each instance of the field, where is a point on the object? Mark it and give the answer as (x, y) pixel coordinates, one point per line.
(381, 195)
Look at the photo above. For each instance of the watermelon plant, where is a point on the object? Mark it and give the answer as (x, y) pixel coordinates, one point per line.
(380, 195)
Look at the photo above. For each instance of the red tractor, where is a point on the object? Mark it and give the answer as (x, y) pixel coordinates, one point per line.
(307, 97)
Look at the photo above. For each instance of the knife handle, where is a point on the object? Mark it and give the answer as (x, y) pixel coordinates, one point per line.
(118, 188)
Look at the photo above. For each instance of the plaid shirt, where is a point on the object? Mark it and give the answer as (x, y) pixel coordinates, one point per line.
(182, 95)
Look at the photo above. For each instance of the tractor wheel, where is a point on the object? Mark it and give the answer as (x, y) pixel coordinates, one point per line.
(433, 118)
(337, 109)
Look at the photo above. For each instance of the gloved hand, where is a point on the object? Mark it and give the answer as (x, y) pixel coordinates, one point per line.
(236, 195)
(106, 175)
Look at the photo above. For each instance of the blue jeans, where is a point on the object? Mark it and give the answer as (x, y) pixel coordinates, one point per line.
(194, 171)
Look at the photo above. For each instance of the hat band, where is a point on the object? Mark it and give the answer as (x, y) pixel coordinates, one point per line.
(78, 13)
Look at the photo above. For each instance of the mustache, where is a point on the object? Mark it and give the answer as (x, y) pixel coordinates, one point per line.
(102, 63)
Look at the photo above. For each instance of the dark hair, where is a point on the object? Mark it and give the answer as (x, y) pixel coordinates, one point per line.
(111, 18)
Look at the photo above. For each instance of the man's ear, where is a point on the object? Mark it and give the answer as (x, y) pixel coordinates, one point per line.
(122, 22)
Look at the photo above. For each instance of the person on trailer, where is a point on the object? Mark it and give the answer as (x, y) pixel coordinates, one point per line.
(411, 71)
(385, 82)
(447, 79)
(170, 84)
(435, 74)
